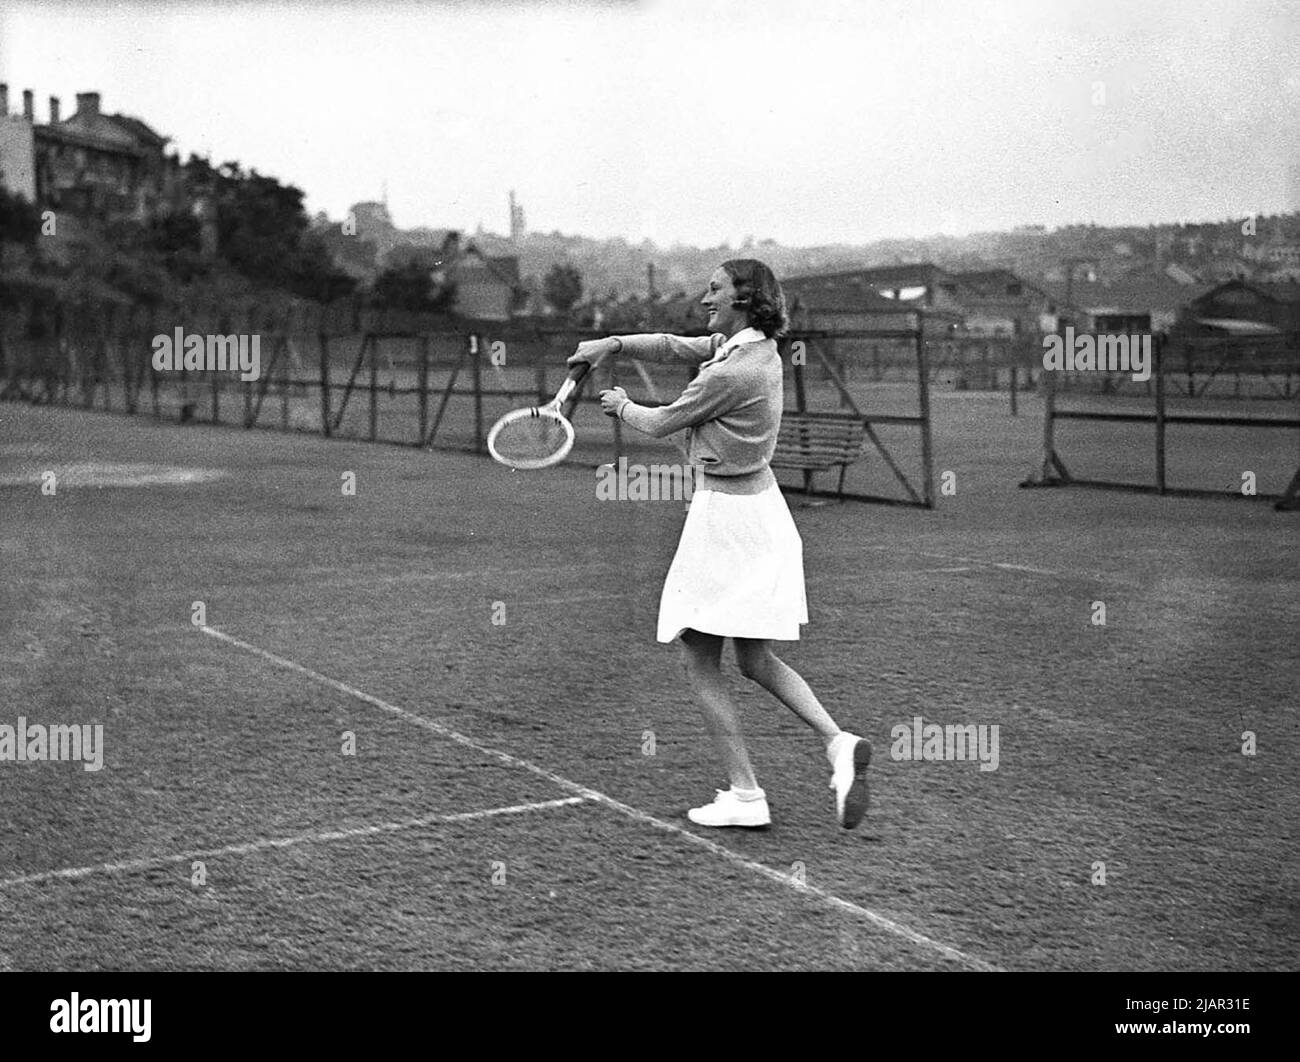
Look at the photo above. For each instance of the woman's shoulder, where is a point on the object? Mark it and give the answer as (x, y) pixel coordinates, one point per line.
(759, 350)
(765, 345)
(756, 363)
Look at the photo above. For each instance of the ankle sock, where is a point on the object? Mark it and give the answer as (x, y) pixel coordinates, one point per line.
(747, 795)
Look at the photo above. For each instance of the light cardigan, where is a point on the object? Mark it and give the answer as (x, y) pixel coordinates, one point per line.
(733, 406)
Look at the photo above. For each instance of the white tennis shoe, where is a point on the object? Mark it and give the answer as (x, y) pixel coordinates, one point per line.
(728, 809)
(849, 780)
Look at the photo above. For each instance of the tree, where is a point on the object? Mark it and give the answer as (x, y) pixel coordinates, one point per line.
(411, 287)
(177, 237)
(562, 286)
(262, 230)
(312, 273)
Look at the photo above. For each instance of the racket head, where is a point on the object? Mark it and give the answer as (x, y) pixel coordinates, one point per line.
(531, 438)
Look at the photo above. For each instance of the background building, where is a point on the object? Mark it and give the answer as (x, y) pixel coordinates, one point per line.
(17, 148)
(100, 165)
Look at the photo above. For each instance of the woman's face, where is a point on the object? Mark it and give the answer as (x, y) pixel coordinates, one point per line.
(723, 317)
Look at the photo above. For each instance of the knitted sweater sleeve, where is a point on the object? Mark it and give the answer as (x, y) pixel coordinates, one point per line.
(660, 347)
(706, 397)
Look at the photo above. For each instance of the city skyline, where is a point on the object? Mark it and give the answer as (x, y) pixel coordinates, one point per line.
(846, 125)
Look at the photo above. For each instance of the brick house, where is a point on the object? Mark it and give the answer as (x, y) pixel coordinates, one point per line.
(100, 165)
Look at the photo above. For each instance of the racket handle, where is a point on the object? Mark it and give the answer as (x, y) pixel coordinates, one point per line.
(576, 375)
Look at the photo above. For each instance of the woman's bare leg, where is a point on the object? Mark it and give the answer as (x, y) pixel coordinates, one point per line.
(758, 663)
(702, 660)
(848, 754)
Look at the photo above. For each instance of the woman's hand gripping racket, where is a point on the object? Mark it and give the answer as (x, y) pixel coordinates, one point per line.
(537, 436)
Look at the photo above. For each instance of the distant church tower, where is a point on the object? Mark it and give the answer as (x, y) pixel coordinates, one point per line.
(517, 226)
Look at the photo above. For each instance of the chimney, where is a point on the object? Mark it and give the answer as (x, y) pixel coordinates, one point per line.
(4, 100)
(28, 111)
(88, 104)
(54, 110)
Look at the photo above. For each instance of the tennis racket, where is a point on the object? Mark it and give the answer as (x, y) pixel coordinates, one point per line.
(537, 436)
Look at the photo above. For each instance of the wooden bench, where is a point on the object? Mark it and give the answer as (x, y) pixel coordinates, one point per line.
(815, 442)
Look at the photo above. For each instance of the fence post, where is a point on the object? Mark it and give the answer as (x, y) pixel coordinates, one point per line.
(7, 374)
(324, 384)
(224, 328)
(476, 368)
(86, 355)
(801, 404)
(1160, 414)
(129, 355)
(923, 396)
(284, 386)
(1049, 422)
(104, 376)
(107, 363)
(61, 359)
(153, 373)
(374, 388)
(423, 387)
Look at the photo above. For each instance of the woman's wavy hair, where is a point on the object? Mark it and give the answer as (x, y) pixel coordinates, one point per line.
(759, 292)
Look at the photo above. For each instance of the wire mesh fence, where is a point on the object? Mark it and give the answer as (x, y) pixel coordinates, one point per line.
(421, 380)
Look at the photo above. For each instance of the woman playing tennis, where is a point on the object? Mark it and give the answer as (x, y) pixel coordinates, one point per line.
(738, 570)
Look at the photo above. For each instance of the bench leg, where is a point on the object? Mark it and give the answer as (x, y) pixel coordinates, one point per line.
(809, 486)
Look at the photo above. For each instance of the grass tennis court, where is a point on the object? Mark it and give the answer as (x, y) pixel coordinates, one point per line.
(372, 615)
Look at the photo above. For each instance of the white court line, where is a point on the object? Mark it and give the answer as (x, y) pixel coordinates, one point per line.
(1025, 568)
(984, 563)
(978, 562)
(123, 866)
(880, 573)
(577, 571)
(880, 921)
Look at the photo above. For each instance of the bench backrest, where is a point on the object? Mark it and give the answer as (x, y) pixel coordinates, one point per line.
(822, 439)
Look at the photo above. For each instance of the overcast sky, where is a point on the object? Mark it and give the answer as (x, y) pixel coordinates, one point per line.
(807, 121)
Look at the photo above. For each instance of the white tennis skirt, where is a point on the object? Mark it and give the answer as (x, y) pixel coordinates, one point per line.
(738, 571)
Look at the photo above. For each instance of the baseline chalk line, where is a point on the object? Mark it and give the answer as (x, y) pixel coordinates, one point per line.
(888, 925)
(1076, 576)
(316, 837)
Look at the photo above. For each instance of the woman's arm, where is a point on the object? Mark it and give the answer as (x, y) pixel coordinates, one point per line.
(661, 347)
(650, 346)
(706, 397)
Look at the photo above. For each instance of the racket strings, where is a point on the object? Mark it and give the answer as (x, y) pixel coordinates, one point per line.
(531, 438)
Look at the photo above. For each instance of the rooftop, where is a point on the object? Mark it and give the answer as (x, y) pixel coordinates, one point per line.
(910, 275)
(1137, 294)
